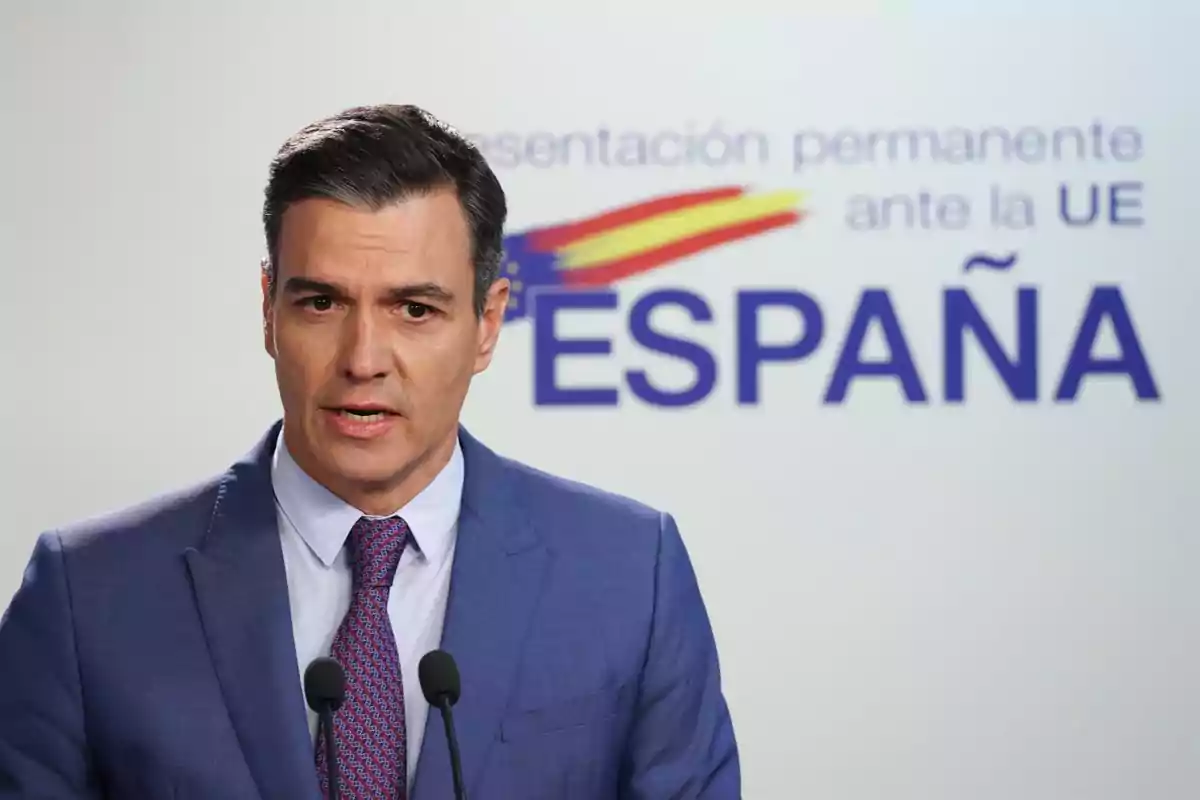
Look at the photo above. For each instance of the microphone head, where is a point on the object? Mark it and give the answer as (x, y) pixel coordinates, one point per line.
(439, 677)
(324, 684)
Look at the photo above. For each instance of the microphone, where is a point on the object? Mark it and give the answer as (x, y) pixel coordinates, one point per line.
(440, 685)
(325, 691)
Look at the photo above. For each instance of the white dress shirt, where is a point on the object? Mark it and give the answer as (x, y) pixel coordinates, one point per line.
(314, 524)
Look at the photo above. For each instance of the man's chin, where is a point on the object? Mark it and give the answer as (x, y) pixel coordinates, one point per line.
(368, 469)
(363, 485)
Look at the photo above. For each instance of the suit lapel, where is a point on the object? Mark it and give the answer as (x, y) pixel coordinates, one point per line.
(499, 568)
(241, 593)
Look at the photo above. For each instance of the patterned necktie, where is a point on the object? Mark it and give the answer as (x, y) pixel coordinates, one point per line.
(372, 756)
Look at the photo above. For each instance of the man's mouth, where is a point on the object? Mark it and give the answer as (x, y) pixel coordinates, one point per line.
(364, 413)
(363, 422)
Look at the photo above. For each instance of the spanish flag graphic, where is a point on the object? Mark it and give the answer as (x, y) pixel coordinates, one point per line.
(602, 249)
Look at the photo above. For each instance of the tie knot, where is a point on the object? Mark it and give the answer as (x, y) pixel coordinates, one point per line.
(375, 547)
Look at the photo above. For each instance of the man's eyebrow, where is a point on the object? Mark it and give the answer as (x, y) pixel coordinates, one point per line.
(298, 285)
(397, 294)
(427, 290)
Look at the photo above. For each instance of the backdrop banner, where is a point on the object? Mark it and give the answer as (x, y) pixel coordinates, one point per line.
(889, 311)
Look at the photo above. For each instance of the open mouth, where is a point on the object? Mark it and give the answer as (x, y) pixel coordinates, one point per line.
(364, 414)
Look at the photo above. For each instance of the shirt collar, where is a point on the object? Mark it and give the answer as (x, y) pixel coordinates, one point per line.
(324, 520)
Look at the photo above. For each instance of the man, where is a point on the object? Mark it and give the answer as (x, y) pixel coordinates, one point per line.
(158, 653)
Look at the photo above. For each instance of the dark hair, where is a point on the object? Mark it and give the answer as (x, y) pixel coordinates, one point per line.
(374, 155)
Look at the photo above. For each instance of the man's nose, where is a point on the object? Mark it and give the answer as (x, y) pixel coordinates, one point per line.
(365, 353)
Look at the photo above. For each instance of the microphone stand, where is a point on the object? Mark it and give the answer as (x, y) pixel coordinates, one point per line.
(460, 793)
(326, 718)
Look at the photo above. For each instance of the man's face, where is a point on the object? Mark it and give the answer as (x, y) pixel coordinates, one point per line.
(375, 340)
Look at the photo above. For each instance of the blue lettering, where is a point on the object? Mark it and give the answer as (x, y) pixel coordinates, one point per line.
(712, 146)
(700, 358)
(547, 347)
(1121, 195)
(1016, 365)
(1106, 301)
(1064, 206)
(1117, 200)
(875, 304)
(752, 352)
(1019, 374)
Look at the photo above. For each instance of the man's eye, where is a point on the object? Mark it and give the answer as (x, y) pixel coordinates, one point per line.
(318, 302)
(417, 310)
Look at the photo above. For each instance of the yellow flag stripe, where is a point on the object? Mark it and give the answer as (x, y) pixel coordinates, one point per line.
(674, 226)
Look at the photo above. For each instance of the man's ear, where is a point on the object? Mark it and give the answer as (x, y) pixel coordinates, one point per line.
(268, 308)
(490, 321)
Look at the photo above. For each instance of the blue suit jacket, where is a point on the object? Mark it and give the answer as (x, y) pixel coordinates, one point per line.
(150, 655)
